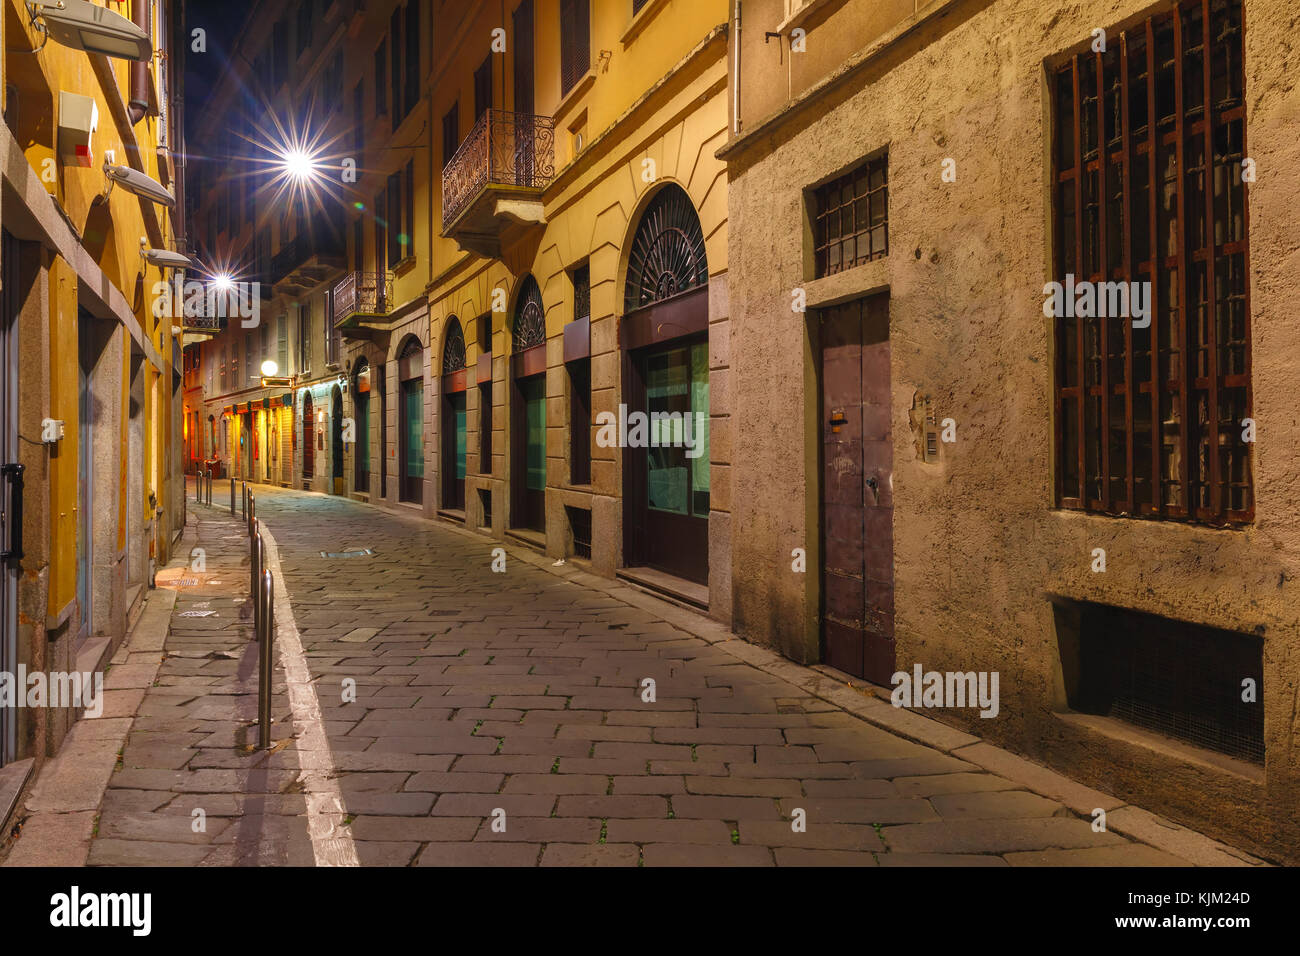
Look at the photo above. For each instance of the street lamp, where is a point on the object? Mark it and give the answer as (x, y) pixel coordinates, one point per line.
(270, 369)
(299, 165)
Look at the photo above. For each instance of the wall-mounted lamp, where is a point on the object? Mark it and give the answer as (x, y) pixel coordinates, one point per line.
(85, 26)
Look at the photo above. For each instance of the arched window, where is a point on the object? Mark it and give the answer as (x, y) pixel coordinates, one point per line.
(453, 347)
(410, 375)
(530, 316)
(667, 254)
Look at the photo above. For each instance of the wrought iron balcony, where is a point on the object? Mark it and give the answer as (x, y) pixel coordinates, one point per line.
(360, 296)
(204, 325)
(496, 178)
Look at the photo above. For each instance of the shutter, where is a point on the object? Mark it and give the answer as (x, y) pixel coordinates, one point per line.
(575, 42)
(523, 22)
(408, 211)
(395, 66)
(412, 55)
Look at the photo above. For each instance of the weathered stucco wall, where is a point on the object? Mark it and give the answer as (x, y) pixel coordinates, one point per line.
(979, 543)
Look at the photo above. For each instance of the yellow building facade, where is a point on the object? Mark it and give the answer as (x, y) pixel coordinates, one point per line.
(580, 257)
(89, 425)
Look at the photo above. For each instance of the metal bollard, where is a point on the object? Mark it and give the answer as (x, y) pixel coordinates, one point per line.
(255, 556)
(209, 487)
(198, 487)
(232, 497)
(243, 499)
(267, 595)
(252, 513)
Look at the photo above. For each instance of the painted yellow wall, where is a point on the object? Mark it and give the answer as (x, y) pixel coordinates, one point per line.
(111, 231)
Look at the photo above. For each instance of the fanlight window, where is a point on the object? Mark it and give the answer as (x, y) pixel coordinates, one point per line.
(453, 350)
(530, 316)
(667, 255)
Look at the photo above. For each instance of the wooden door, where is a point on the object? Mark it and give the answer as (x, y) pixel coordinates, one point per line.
(308, 440)
(857, 490)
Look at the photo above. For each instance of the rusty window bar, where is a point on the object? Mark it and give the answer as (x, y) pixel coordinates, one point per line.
(1189, 409)
(851, 218)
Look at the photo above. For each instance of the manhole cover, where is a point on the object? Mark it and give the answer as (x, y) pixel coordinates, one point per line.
(363, 553)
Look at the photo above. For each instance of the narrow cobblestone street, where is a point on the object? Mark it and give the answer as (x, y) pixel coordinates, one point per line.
(482, 693)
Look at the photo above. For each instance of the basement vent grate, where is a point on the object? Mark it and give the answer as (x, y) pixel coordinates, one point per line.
(363, 553)
(1185, 680)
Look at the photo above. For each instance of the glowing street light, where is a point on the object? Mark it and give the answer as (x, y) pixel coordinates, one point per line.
(299, 165)
(270, 369)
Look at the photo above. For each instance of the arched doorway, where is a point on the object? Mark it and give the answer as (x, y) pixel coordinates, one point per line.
(664, 334)
(336, 441)
(454, 382)
(361, 419)
(410, 377)
(528, 410)
(308, 441)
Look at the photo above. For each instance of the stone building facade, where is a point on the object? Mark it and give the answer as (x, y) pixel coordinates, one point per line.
(977, 486)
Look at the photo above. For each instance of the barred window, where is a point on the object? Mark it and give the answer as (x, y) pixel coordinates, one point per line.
(851, 218)
(1150, 192)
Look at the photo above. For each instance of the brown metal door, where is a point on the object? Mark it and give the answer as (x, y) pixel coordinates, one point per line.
(857, 494)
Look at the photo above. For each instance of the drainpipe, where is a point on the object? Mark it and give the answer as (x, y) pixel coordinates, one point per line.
(735, 83)
(139, 103)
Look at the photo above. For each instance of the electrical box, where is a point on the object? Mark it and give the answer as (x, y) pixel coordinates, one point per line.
(78, 118)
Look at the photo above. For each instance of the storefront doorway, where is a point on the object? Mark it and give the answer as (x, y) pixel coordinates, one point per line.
(454, 385)
(528, 410)
(664, 335)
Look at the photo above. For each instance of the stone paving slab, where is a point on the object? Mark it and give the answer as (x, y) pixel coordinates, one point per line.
(475, 718)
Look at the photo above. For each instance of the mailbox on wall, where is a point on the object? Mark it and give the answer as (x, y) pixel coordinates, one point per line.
(78, 118)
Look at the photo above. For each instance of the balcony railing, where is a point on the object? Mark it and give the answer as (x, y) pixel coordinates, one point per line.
(503, 149)
(202, 324)
(362, 293)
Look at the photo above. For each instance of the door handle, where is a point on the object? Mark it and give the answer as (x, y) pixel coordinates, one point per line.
(13, 477)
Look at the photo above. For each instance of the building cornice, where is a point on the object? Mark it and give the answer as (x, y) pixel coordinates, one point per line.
(846, 71)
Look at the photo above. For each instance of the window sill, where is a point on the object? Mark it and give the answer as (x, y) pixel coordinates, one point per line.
(865, 279)
(1126, 733)
(640, 20)
(804, 13)
(571, 98)
(403, 265)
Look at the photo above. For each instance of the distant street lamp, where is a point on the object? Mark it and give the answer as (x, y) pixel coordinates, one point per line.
(270, 369)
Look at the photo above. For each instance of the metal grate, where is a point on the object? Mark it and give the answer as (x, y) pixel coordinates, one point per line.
(851, 218)
(1150, 138)
(530, 316)
(582, 291)
(580, 522)
(1180, 679)
(667, 255)
(453, 349)
(363, 553)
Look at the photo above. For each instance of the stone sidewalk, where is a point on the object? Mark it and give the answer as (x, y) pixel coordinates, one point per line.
(439, 713)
